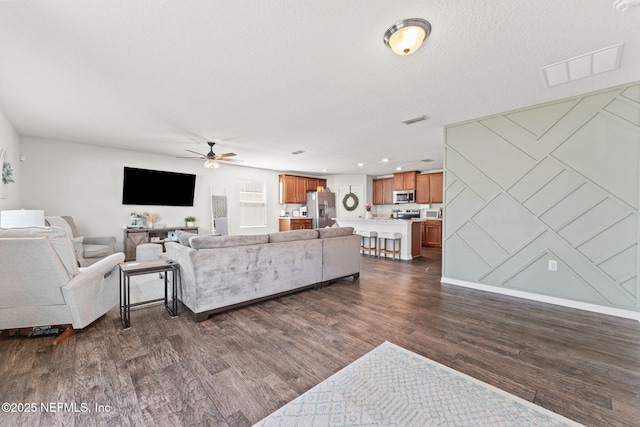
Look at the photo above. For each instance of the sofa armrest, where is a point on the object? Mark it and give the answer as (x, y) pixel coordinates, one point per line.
(103, 240)
(93, 291)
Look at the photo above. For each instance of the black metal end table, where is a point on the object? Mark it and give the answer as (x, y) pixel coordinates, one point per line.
(135, 268)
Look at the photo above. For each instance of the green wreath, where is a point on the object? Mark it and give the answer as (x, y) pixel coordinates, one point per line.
(354, 202)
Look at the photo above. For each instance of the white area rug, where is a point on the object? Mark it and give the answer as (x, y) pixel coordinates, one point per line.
(391, 386)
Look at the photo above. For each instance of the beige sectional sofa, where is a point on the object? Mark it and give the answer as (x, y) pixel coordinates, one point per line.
(219, 273)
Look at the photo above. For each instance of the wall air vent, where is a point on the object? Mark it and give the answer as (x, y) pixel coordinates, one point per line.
(297, 152)
(415, 120)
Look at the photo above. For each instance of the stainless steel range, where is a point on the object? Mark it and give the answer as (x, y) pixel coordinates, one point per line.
(408, 213)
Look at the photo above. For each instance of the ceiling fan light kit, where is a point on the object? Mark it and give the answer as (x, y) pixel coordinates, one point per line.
(406, 36)
(211, 164)
(211, 159)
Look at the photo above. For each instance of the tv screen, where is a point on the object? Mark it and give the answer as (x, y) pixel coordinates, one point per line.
(151, 187)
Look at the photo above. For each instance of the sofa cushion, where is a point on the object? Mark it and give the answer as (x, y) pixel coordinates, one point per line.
(325, 233)
(184, 236)
(96, 251)
(290, 236)
(212, 242)
(57, 238)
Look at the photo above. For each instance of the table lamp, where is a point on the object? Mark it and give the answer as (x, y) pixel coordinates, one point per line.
(22, 218)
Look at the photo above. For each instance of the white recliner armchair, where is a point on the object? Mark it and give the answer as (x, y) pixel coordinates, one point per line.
(41, 284)
(89, 250)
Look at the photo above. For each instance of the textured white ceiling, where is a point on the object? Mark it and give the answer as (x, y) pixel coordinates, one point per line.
(266, 78)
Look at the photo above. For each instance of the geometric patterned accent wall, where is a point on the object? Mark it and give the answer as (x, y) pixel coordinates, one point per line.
(559, 181)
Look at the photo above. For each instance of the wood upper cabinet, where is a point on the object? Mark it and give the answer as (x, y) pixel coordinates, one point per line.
(435, 187)
(383, 191)
(312, 184)
(378, 192)
(429, 188)
(404, 180)
(293, 188)
(422, 189)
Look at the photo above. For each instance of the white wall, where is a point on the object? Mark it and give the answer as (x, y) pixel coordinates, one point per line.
(358, 184)
(10, 143)
(85, 181)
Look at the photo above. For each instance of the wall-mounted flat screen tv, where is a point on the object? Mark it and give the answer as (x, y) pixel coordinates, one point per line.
(152, 187)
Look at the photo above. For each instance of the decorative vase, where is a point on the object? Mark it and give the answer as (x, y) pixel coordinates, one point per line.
(189, 224)
(368, 215)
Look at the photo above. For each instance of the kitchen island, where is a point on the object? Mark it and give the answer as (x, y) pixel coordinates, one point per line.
(410, 243)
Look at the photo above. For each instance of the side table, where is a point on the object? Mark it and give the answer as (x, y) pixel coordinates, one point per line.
(135, 268)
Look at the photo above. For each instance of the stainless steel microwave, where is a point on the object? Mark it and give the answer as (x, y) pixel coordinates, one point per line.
(404, 196)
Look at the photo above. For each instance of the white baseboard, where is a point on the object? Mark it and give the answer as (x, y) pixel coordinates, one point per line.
(611, 311)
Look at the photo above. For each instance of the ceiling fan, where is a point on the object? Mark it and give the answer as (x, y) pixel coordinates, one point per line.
(211, 159)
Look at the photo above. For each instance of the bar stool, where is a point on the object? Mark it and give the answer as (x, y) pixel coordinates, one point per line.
(368, 241)
(382, 244)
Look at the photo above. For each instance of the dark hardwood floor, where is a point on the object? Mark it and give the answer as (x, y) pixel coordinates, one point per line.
(237, 367)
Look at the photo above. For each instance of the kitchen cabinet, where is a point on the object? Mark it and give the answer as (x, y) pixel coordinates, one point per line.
(429, 188)
(383, 191)
(293, 188)
(432, 233)
(422, 189)
(404, 180)
(435, 187)
(416, 229)
(287, 224)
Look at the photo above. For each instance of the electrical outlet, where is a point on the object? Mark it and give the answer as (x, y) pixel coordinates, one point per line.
(553, 265)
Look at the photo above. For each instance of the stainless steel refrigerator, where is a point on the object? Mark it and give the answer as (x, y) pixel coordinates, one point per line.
(321, 207)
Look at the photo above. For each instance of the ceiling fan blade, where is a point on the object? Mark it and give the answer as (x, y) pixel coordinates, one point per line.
(199, 154)
(196, 158)
(231, 160)
(227, 155)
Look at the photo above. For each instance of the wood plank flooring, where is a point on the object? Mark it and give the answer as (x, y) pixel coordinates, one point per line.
(237, 367)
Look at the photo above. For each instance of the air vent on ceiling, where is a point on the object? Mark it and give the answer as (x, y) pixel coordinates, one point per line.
(298, 152)
(582, 66)
(415, 120)
(426, 160)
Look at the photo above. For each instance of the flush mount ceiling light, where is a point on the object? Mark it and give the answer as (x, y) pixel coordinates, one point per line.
(406, 36)
(622, 5)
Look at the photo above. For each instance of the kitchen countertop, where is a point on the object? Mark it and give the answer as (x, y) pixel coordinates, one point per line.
(386, 219)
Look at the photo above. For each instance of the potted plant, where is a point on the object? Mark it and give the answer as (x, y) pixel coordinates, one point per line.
(190, 220)
(368, 214)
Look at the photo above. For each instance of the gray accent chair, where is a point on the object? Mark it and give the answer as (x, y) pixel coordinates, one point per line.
(89, 250)
(41, 284)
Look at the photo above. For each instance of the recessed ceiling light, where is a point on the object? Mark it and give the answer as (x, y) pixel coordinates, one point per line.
(385, 160)
(398, 168)
(324, 170)
(360, 164)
